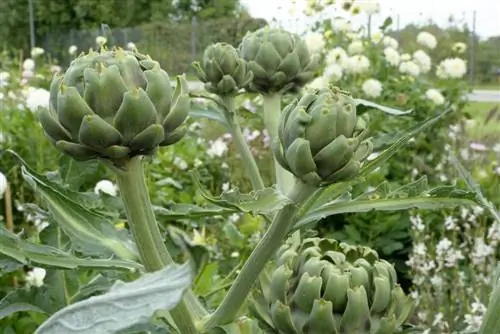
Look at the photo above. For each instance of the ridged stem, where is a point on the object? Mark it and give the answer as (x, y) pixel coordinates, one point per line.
(272, 116)
(241, 145)
(263, 252)
(147, 235)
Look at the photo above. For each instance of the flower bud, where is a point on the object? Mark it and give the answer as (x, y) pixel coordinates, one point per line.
(222, 70)
(114, 105)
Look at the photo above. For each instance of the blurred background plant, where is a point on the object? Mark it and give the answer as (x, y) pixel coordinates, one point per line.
(445, 258)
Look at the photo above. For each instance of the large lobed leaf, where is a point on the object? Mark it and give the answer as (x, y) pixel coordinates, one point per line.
(125, 305)
(90, 232)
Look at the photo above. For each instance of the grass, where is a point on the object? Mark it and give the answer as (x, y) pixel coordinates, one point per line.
(486, 123)
(487, 86)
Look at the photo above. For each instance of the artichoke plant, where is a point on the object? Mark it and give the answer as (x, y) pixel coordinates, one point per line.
(279, 60)
(323, 286)
(114, 105)
(222, 70)
(321, 138)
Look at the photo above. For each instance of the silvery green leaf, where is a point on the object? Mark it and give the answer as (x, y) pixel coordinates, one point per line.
(90, 232)
(125, 305)
(387, 110)
(190, 211)
(491, 320)
(263, 201)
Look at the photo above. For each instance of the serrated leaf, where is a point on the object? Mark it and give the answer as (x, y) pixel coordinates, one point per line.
(430, 201)
(125, 305)
(26, 252)
(90, 232)
(207, 111)
(373, 105)
(18, 307)
(263, 201)
(383, 157)
(190, 211)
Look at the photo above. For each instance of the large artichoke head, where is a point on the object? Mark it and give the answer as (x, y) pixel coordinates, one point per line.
(321, 139)
(323, 286)
(114, 105)
(279, 60)
(222, 70)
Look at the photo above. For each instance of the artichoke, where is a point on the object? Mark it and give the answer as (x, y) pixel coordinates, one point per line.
(279, 60)
(114, 105)
(322, 286)
(321, 139)
(222, 70)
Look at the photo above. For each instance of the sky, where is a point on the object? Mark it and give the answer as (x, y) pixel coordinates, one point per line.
(410, 11)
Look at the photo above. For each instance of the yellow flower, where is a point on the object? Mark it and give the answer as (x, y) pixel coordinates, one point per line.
(328, 33)
(199, 238)
(120, 225)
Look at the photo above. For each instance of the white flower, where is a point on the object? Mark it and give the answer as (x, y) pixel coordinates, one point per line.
(435, 96)
(37, 98)
(340, 24)
(376, 36)
(370, 7)
(101, 40)
(481, 251)
(459, 47)
(180, 163)
(235, 254)
(333, 72)
(55, 69)
(392, 56)
(390, 42)
(29, 64)
(3, 184)
(106, 187)
(4, 78)
(356, 47)
(131, 46)
(451, 68)
(35, 52)
(426, 39)
(72, 49)
(28, 74)
(405, 57)
(443, 246)
(420, 249)
(372, 88)
(35, 277)
(336, 56)
(318, 83)
(315, 42)
(217, 148)
(478, 147)
(409, 67)
(357, 64)
(250, 135)
(423, 60)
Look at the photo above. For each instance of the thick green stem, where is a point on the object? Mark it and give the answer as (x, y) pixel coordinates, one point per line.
(241, 145)
(262, 253)
(147, 235)
(272, 116)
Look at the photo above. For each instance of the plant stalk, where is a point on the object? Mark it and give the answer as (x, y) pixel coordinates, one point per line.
(263, 252)
(272, 116)
(241, 144)
(147, 235)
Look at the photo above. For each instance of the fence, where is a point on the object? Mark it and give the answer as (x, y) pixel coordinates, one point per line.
(174, 45)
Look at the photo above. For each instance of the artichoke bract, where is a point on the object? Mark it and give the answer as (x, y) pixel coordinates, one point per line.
(114, 105)
(321, 139)
(222, 70)
(323, 286)
(279, 60)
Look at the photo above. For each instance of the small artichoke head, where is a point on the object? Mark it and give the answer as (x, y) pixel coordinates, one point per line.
(325, 286)
(222, 70)
(279, 60)
(321, 138)
(114, 105)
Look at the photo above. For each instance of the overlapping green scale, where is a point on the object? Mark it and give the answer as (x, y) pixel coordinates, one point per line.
(222, 70)
(321, 139)
(279, 60)
(114, 105)
(324, 286)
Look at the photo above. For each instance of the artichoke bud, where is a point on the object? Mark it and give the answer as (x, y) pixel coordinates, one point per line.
(114, 105)
(222, 70)
(279, 60)
(319, 292)
(321, 139)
